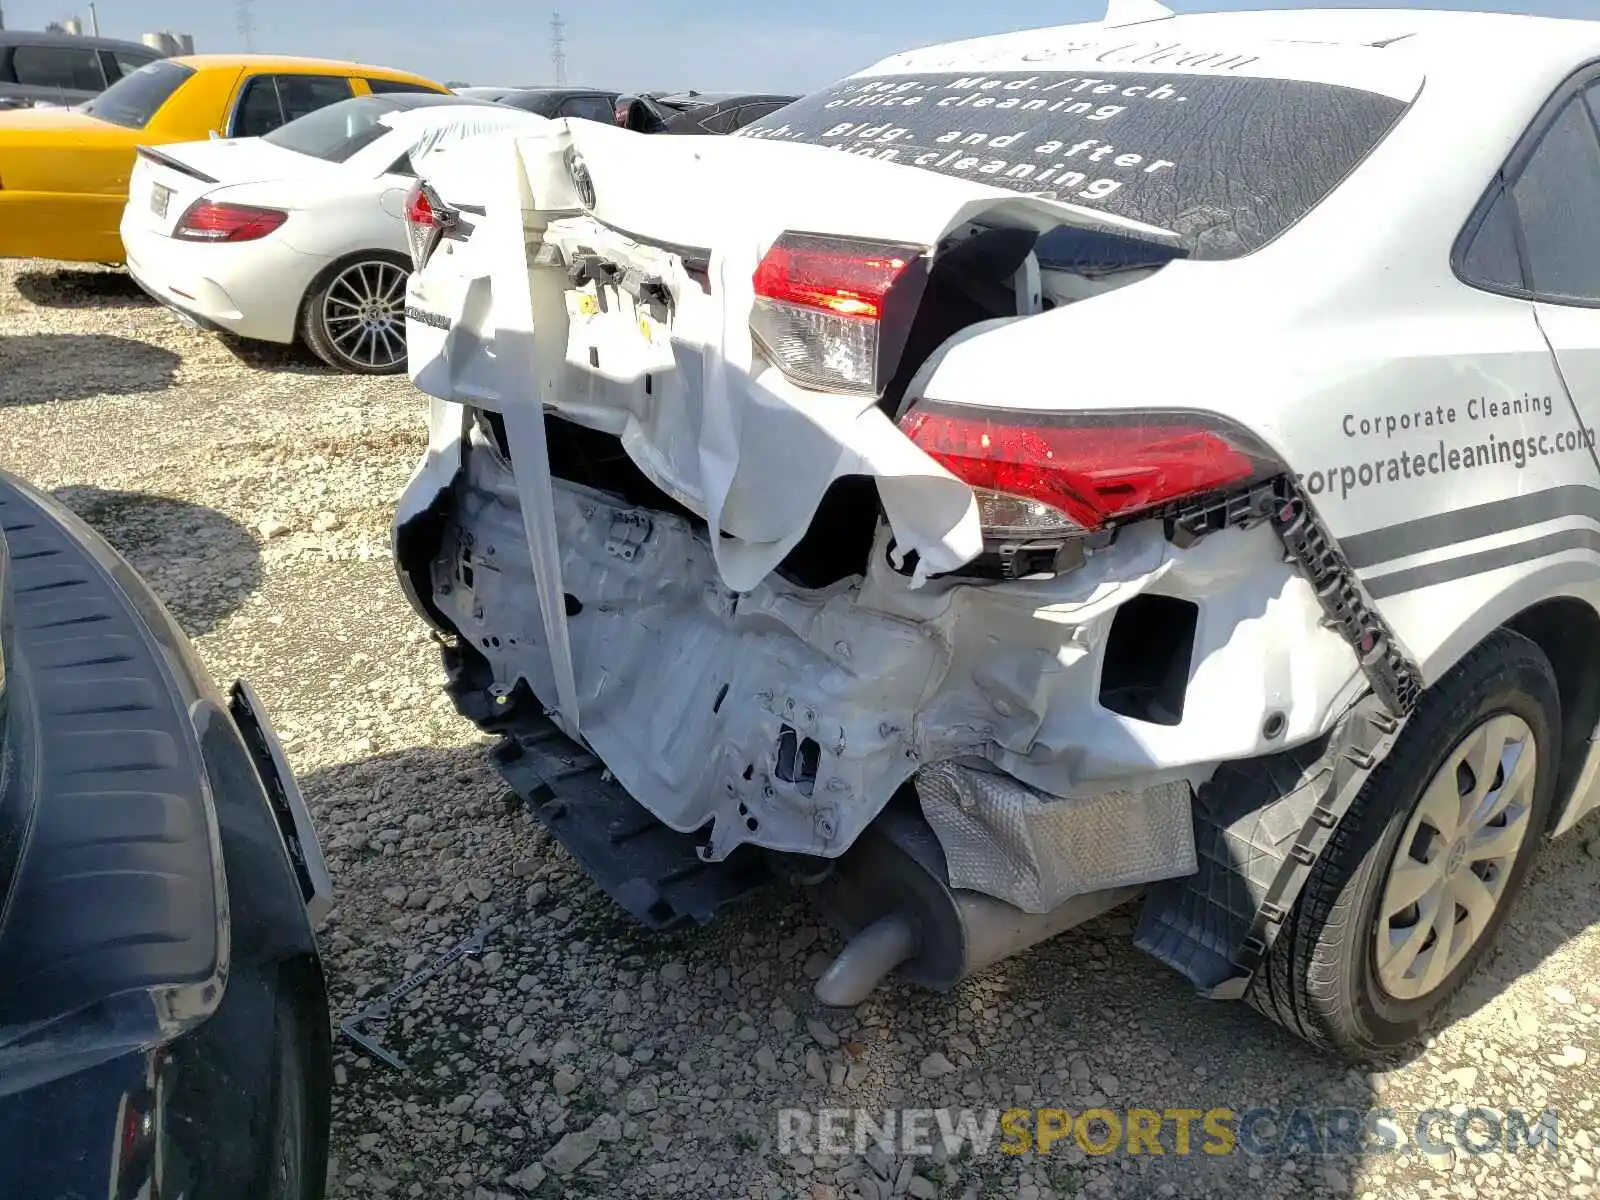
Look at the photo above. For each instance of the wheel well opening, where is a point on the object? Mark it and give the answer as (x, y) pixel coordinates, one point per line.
(1568, 631)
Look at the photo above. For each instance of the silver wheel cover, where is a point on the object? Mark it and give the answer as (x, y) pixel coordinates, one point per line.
(1453, 862)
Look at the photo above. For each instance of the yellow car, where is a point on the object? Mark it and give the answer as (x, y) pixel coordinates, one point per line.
(64, 171)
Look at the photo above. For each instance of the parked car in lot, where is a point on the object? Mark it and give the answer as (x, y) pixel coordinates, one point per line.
(298, 234)
(727, 115)
(164, 1026)
(589, 104)
(62, 69)
(695, 112)
(64, 172)
(1144, 458)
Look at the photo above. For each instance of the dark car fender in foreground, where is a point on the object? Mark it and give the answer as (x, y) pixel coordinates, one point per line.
(164, 1026)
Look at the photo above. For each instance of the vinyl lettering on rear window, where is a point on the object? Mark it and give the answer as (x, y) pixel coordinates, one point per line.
(1226, 163)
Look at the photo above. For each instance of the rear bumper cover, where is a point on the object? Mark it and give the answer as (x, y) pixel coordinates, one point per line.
(252, 289)
(143, 788)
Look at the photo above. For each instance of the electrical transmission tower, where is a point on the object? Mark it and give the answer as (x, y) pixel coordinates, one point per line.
(247, 25)
(558, 48)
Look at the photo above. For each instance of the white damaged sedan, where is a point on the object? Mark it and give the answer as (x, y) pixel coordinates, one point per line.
(298, 234)
(1148, 459)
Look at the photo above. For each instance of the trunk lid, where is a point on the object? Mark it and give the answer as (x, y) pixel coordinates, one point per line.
(168, 179)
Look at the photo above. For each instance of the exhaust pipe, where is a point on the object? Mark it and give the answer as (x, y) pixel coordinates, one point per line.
(889, 895)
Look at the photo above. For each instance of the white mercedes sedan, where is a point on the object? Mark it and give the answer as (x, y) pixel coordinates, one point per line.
(298, 235)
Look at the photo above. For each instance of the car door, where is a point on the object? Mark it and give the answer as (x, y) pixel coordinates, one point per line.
(1556, 195)
(1504, 488)
(268, 101)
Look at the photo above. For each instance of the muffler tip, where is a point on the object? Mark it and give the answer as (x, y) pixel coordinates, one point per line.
(866, 960)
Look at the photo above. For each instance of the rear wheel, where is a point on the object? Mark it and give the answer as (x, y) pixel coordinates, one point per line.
(297, 1152)
(354, 317)
(1417, 879)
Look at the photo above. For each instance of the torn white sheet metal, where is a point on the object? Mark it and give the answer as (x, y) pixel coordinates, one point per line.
(522, 405)
(694, 405)
(786, 718)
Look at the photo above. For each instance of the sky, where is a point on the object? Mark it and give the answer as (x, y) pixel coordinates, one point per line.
(627, 45)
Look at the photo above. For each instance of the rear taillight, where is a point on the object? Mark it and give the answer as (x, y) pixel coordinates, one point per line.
(209, 221)
(1042, 475)
(426, 220)
(821, 304)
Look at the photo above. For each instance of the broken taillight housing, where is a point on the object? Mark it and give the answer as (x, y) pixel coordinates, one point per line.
(427, 218)
(1041, 475)
(822, 306)
(212, 221)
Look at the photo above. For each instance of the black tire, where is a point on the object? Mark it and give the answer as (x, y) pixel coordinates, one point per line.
(296, 1166)
(1320, 980)
(332, 344)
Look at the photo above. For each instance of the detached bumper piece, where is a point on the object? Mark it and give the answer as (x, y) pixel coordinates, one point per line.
(655, 873)
(1259, 827)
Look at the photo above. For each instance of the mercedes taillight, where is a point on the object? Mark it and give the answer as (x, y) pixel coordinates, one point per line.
(211, 221)
(826, 309)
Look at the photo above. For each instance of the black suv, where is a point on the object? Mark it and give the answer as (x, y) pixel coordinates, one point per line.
(164, 1026)
(62, 68)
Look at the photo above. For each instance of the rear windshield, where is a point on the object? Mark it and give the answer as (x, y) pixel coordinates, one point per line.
(134, 99)
(336, 132)
(1226, 163)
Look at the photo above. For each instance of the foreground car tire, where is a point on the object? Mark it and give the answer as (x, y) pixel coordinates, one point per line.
(1417, 879)
(354, 316)
(297, 1163)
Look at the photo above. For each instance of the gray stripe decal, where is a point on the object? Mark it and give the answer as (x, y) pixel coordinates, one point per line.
(1481, 520)
(1451, 569)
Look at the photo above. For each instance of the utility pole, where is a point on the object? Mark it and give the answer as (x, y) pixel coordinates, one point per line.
(558, 48)
(247, 24)
(94, 20)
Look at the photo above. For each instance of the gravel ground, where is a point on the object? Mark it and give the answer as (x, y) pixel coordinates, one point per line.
(580, 1057)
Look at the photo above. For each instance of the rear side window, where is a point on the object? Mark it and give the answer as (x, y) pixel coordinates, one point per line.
(134, 99)
(382, 87)
(589, 108)
(259, 111)
(1539, 234)
(1491, 259)
(273, 100)
(71, 67)
(302, 94)
(1226, 163)
(335, 132)
(1558, 201)
(539, 105)
(752, 113)
(127, 64)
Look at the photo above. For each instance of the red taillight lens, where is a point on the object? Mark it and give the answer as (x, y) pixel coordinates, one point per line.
(419, 209)
(1040, 474)
(425, 221)
(820, 304)
(209, 221)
